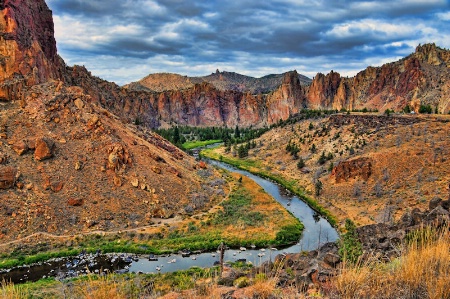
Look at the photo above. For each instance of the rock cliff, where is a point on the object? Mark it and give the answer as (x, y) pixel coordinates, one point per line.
(27, 47)
(223, 98)
(421, 78)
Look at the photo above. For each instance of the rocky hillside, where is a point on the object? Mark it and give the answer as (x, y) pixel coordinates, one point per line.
(371, 168)
(221, 80)
(67, 164)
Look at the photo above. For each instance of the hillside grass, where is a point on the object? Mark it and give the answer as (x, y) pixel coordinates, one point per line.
(422, 271)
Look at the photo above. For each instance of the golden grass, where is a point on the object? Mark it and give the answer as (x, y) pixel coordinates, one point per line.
(11, 291)
(423, 271)
(105, 287)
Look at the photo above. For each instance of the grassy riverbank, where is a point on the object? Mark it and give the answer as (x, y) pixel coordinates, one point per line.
(193, 144)
(257, 168)
(420, 272)
(248, 215)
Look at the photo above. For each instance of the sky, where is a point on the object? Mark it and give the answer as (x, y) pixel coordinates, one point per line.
(125, 40)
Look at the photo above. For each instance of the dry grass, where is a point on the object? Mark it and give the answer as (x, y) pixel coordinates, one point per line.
(423, 271)
(106, 287)
(11, 291)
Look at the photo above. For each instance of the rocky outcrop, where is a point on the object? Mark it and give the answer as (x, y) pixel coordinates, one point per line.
(223, 81)
(383, 239)
(27, 47)
(7, 177)
(352, 169)
(421, 78)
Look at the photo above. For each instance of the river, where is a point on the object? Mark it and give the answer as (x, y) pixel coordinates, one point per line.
(317, 231)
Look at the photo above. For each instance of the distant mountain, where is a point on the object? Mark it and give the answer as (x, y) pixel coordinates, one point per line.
(160, 82)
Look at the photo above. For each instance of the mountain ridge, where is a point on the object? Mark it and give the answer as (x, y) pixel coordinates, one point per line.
(224, 80)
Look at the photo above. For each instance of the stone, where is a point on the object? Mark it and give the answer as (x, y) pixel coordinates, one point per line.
(20, 147)
(78, 165)
(93, 122)
(75, 202)
(135, 182)
(202, 165)
(446, 204)
(79, 104)
(156, 169)
(117, 181)
(434, 203)
(8, 177)
(43, 149)
(332, 259)
(354, 168)
(406, 220)
(57, 186)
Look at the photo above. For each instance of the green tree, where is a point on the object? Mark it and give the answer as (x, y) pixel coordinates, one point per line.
(350, 248)
(176, 135)
(322, 158)
(237, 133)
(300, 163)
(318, 186)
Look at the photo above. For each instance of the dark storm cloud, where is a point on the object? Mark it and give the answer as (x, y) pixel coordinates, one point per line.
(253, 37)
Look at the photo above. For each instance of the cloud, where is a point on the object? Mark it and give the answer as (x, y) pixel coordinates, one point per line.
(132, 38)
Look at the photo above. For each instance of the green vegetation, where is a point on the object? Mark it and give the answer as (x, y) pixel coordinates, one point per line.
(193, 144)
(238, 209)
(350, 247)
(182, 136)
(289, 234)
(255, 167)
(114, 285)
(425, 109)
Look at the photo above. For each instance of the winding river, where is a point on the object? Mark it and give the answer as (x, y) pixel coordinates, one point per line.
(317, 231)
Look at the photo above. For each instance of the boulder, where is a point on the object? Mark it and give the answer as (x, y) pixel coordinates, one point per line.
(20, 147)
(75, 202)
(135, 182)
(434, 203)
(8, 176)
(57, 186)
(43, 149)
(332, 259)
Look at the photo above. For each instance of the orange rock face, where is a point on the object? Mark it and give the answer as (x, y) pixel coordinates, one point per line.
(351, 169)
(28, 43)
